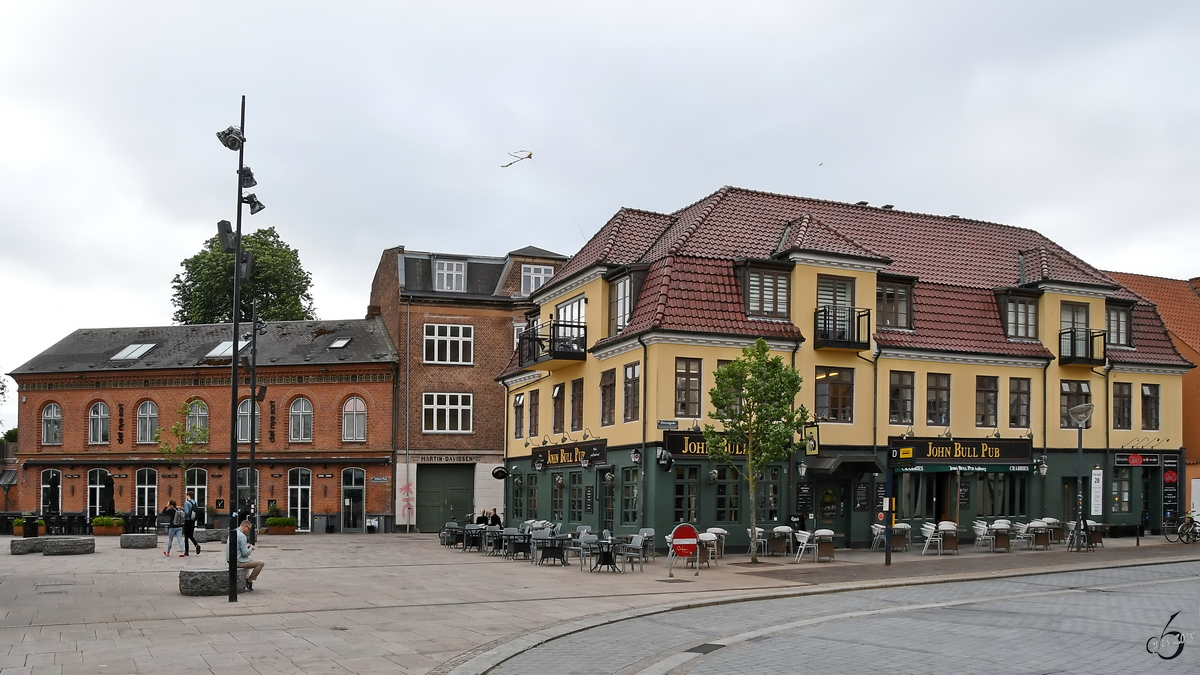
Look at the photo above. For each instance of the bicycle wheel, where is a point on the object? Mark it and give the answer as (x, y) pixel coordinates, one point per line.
(1171, 532)
(1188, 534)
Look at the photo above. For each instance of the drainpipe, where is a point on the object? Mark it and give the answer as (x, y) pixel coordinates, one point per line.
(408, 478)
(504, 447)
(796, 483)
(1045, 417)
(1108, 425)
(395, 434)
(645, 387)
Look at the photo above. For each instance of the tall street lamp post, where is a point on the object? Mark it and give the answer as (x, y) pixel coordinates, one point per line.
(231, 242)
(1080, 414)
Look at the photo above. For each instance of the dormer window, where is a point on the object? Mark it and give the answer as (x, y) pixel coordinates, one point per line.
(1022, 317)
(449, 275)
(133, 352)
(767, 293)
(1118, 325)
(533, 276)
(893, 306)
(620, 304)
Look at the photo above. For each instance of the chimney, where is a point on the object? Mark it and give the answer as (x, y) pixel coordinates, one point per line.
(372, 311)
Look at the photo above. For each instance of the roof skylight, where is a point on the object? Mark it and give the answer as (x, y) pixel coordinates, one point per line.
(224, 350)
(340, 342)
(132, 352)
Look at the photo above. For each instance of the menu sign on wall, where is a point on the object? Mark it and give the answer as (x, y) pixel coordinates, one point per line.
(964, 494)
(1170, 487)
(589, 499)
(880, 493)
(1135, 459)
(804, 498)
(862, 500)
(1097, 492)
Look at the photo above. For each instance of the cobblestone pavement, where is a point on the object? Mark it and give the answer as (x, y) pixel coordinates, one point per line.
(1075, 622)
(402, 603)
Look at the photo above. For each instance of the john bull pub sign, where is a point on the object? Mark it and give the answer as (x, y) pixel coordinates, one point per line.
(690, 444)
(990, 455)
(595, 452)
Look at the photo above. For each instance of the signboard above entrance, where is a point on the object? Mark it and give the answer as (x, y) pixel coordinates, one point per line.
(685, 444)
(595, 452)
(910, 453)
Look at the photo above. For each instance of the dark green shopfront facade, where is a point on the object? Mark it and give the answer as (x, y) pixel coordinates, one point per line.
(672, 480)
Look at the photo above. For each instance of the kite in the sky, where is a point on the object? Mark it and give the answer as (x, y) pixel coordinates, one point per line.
(520, 155)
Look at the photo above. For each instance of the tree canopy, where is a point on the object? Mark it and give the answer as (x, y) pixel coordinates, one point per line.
(754, 399)
(204, 290)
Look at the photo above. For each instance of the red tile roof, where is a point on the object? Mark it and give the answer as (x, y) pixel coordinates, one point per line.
(1178, 302)
(958, 262)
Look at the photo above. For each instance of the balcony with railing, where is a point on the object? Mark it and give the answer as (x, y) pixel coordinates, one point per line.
(1081, 347)
(838, 327)
(553, 344)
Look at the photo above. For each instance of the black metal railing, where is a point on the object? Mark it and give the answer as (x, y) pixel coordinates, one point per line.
(838, 327)
(1082, 346)
(551, 341)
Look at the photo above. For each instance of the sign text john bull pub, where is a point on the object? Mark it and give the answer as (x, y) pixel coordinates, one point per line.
(968, 454)
(553, 456)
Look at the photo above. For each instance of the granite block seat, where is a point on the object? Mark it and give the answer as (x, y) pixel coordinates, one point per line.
(209, 536)
(69, 545)
(209, 581)
(139, 541)
(22, 546)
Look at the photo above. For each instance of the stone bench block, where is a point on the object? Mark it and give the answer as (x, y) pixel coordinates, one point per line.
(21, 546)
(209, 581)
(209, 536)
(69, 545)
(139, 541)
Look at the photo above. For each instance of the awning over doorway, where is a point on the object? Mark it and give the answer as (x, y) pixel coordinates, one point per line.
(858, 463)
(8, 478)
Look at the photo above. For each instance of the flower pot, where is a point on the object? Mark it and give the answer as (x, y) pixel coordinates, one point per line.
(281, 529)
(19, 530)
(108, 530)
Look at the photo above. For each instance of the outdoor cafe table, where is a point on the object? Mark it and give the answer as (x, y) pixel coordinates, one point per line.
(1000, 538)
(606, 555)
(515, 543)
(1041, 535)
(552, 547)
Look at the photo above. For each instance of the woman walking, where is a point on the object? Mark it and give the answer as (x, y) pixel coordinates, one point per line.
(174, 517)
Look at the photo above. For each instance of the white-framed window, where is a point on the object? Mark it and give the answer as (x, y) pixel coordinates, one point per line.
(447, 414)
(354, 420)
(449, 275)
(147, 492)
(52, 424)
(571, 311)
(147, 422)
(620, 304)
(300, 421)
(197, 421)
(533, 276)
(243, 421)
(98, 423)
(449, 343)
(1117, 323)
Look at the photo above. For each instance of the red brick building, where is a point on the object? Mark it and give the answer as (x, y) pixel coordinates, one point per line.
(454, 320)
(89, 407)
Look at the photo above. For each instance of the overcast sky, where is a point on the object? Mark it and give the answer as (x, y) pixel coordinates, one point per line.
(372, 125)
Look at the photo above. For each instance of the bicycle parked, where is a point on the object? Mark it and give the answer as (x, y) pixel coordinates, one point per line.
(1186, 530)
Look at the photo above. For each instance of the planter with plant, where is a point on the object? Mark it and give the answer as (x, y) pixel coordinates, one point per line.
(19, 526)
(106, 526)
(280, 525)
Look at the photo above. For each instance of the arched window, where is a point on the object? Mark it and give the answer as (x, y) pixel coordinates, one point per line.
(300, 423)
(197, 421)
(147, 492)
(52, 424)
(51, 491)
(147, 422)
(243, 429)
(354, 420)
(98, 423)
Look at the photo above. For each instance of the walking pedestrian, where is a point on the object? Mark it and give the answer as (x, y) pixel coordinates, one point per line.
(189, 523)
(174, 517)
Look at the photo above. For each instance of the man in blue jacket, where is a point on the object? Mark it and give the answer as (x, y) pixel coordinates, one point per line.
(243, 555)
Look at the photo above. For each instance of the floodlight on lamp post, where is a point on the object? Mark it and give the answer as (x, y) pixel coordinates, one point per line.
(1080, 414)
(231, 242)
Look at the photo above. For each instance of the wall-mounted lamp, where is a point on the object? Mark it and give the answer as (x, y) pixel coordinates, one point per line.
(1028, 435)
(696, 426)
(908, 434)
(1043, 465)
(712, 477)
(587, 433)
(546, 440)
(996, 433)
(801, 469)
(948, 436)
(565, 438)
(527, 442)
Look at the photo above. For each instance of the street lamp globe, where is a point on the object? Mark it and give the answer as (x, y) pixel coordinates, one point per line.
(1081, 413)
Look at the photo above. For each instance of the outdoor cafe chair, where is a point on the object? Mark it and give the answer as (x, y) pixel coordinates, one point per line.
(783, 532)
(756, 540)
(721, 534)
(473, 538)
(647, 534)
(709, 541)
(879, 536)
(804, 545)
(581, 546)
(633, 551)
(982, 536)
(933, 537)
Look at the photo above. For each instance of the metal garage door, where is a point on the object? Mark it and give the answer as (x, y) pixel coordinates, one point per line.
(444, 492)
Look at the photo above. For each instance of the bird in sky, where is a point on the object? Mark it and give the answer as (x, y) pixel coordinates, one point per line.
(520, 155)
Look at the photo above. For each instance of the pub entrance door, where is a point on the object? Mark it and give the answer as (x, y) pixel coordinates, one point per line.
(832, 511)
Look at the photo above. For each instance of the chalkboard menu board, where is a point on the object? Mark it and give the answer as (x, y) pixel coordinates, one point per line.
(862, 500)
(964, 493)
(589, 498)
(804, 498)
(1170, 487)
(880, 493)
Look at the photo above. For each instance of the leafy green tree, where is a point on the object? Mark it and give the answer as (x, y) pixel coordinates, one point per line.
(279, 282)
(754, 399)
(11, 435)
(189, 444)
